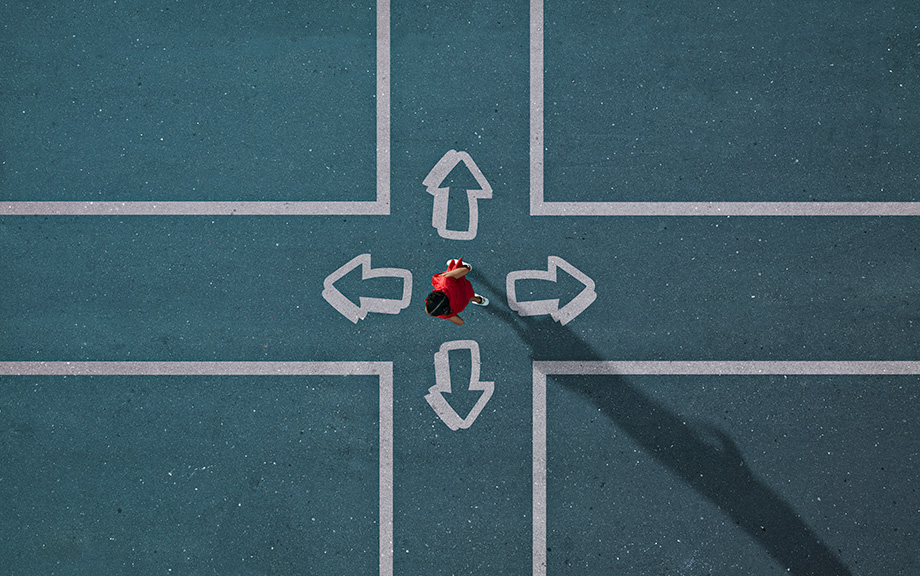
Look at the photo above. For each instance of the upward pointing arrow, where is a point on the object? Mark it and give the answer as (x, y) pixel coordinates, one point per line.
(562, 315)
(379, 305)
(439, 213)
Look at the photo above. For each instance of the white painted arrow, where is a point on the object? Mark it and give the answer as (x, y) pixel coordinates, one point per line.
(379, 305)
(439, 212)
(442, 386)
(562, 315)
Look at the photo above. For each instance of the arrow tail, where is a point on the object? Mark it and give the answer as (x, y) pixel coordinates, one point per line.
(536, 307)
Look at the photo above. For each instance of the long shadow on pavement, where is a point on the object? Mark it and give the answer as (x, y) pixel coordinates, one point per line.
(702, 455)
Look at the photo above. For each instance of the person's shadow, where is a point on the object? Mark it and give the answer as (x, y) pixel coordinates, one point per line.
(702, 455)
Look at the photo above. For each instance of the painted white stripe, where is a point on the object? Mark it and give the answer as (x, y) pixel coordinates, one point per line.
(541, 369)
(752, 367)
(536, 107)
(381, 206)
(539, 473)
(193, 208)
(539, 207)
(383, 370)
(386, 468)
(195, 368)
(383, 108)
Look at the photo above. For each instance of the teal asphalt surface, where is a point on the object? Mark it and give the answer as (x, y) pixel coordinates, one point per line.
(646, 475)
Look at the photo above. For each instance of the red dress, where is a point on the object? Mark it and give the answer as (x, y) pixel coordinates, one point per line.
(458, 290)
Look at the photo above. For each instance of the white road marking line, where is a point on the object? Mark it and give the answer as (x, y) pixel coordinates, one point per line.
(383, 370)
(354, 313)
(724, 208)
(742, 367)
(539, 207)
(441, 195)
(435, 396)
(380, 207)
(543, 368)
(539, 307)
(55, 208)
(536, 107)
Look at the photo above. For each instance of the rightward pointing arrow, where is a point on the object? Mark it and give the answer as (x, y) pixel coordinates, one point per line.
(439, 212)
(435, 396)
(562, 315)
(379, 305)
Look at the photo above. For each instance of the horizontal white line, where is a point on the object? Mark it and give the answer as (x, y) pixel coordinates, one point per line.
(541, 369)
(725, 209)
(383, 370)
(196, 368)
(193, 208)
(381, 206)
(753, 367)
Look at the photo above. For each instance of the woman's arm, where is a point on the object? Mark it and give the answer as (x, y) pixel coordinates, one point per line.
(456, 272)
(456, 320)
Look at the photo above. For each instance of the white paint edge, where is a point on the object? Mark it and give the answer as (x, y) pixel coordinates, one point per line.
(386, 468)
(727, 368)
(383, 370)
(536, 107)
(383, 108)
(539, 207)
(192, 208)
(380, 207)
(539, 472)
(543, 368)
(435, 396)
(432, 183)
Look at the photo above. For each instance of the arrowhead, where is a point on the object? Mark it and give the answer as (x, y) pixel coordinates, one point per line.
(581, 302)
(435, 396)
(445, 166)
(347, 308)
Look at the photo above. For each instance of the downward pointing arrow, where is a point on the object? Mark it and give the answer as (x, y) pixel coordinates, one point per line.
(537, 307)
(435, 394)
(379, 305)
(439, 212)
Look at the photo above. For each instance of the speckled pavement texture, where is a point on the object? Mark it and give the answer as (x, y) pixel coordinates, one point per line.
(174, 100)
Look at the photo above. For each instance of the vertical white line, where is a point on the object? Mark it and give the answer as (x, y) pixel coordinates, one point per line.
(539, 473)
(383, 370)
(383, 104)
(386, 471)
(536, 106)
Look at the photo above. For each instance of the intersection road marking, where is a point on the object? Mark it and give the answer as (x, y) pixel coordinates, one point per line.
(543, 368)
(539, 207)
(435, 396)
(381, 206)
(441, 195)
(539, 307)
(379, 305)
(383, 370)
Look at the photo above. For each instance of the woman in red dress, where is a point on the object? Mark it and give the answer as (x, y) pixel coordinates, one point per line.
(452, 292)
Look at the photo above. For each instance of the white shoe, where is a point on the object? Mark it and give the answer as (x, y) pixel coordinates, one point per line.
(485, 301)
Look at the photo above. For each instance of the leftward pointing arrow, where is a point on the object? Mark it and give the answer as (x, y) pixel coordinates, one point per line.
(562, 315)
(379, 305)
(439, 212)
(435, 394)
